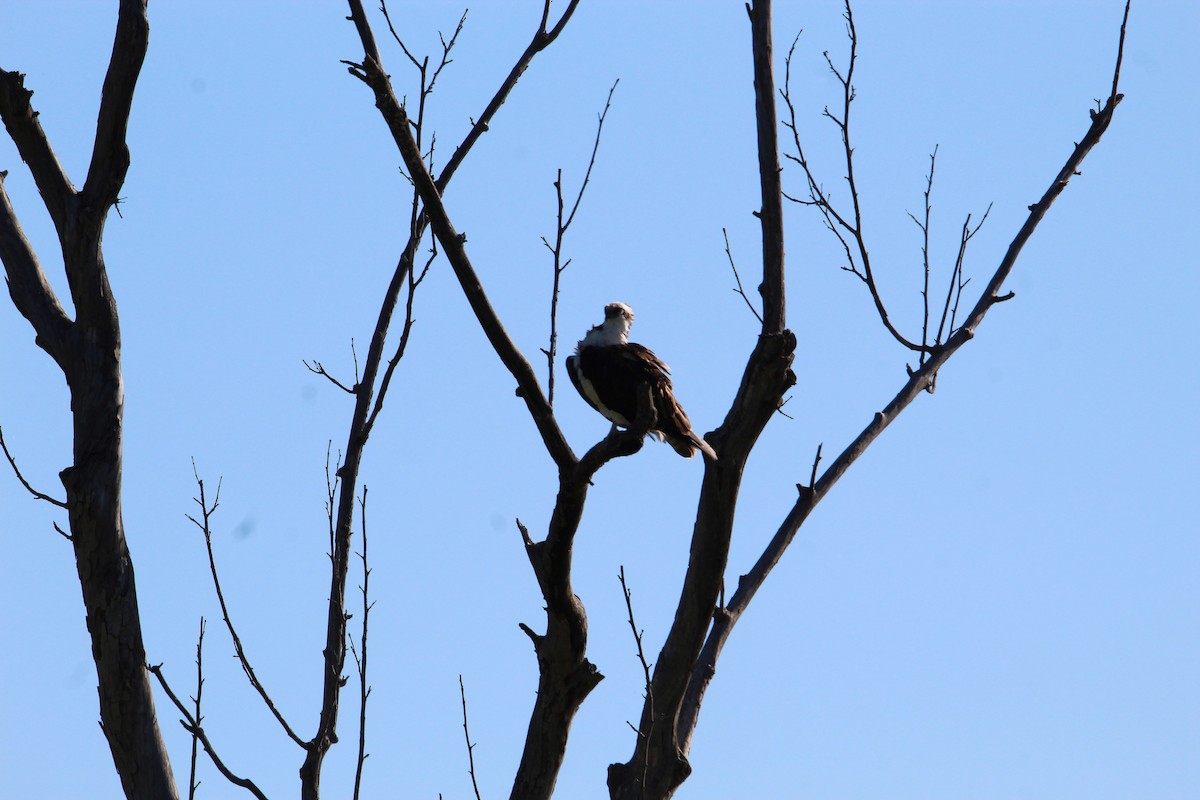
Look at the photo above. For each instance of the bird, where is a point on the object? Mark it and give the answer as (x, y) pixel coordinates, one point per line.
(610, 373)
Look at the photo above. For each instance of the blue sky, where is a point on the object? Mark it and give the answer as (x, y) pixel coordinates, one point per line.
(998, 601)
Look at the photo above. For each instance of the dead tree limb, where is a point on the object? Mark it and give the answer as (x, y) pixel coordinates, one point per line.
(919, 381)
(12, 462)
(88, 350)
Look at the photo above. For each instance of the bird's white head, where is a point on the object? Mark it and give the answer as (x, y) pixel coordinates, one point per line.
(618, 318)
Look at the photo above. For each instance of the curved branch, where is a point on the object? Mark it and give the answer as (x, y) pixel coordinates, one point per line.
(839, 224)
(13, 463)
(192, 726)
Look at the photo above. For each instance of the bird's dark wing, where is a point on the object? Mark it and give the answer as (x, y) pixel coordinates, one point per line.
(615, 375)
(573, 372)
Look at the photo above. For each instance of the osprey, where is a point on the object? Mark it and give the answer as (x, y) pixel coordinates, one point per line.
(610, 372)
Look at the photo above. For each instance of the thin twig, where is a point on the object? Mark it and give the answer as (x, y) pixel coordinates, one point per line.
(317, 368)
(405, 333)
(193, 784)
(332, 478)
(206, 513)
(467, 735)
(740, 290)
(13, 463)
(846, 227)
(957, 281)
(559, 265)
(360, 658)
(924, 226)
(641, 654)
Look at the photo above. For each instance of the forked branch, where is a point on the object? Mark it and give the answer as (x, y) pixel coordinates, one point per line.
(193, 727)
(919, 381)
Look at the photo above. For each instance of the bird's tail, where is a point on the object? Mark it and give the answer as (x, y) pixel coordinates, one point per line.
(689, 443)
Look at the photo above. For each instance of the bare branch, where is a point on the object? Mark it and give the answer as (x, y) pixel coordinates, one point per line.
(771, 211)
(848, 225)
(110, 154)
(206, 512)
(360, 659)
(651, 718)
(957, 281)
(541, 40)
(919, 381)
(452, 245)
(405, 333)
(467, 735)
(641, 653)
(13, 463)
(557, 249)
(924, 226)
(27, 283)
(740, 290)
(192, 726)
(198, 717)
(25, 128)
(317, 368)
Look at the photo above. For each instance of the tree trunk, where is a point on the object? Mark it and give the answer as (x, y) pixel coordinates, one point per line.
(93, 487)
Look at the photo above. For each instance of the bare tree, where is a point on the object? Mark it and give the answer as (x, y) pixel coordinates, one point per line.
(87, 349)
(687, 660)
